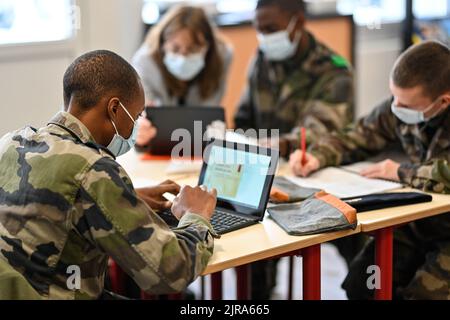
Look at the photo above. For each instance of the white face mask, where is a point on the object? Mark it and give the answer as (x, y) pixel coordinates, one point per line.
(119, 145)
(185, 68)
(410, 116)
(278, 46)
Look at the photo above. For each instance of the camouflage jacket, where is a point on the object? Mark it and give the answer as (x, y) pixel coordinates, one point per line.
(65, 201)
(427, 145)
(313, 89)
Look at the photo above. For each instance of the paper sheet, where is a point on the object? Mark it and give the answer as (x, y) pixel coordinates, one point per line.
(344, 184)
(358, 166)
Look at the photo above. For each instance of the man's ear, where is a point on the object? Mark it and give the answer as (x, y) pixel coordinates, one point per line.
(113, 107)
(300, 25)
(446, 99)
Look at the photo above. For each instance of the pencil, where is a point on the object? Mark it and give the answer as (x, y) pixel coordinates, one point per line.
(303, 144)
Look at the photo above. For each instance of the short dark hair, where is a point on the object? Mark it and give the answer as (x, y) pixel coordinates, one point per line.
(97, 73)
(293, 6)
(426, 64)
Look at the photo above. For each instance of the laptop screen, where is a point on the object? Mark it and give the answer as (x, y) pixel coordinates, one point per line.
(242, 176)
(181, 131)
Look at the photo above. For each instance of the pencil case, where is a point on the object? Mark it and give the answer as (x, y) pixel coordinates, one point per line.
(285, 191)
(320, 213)
(387, 200)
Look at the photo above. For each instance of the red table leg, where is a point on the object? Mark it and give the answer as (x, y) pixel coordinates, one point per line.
(117, 276)
(216, 286)
(147, 296)
(243, 282)
(176, 296)
(311, 273)
(384, 260)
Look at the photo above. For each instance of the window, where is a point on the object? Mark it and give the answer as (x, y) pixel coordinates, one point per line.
(432, 22)
(424, 10)
(367, 12)
(153, 9)
(373, 12)
(30, 21)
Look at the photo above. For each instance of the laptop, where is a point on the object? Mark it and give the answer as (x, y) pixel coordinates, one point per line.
(192, 120)
(243, 176)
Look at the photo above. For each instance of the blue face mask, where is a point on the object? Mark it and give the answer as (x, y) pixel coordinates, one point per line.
(119, 145)
(410, 116)
(184, 68)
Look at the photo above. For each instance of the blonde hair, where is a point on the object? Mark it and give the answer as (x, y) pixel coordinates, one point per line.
(195, 20)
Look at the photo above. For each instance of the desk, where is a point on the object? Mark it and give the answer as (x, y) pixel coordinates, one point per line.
(268, 240)
(242, 247)
(383, 223)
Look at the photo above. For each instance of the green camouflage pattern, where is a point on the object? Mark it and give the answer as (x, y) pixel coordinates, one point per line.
(432, 280)
(13, 286)
(313, 90)
(65, 201)
(427, 146)
(421, 265)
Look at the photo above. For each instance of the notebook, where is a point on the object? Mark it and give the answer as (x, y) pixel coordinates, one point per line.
(343, 183)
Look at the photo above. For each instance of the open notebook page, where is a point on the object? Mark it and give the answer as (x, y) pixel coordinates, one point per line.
(343, 183)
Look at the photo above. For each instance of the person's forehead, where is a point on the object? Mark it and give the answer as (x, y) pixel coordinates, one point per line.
(270, 14)
(409, 96)
(186, 37)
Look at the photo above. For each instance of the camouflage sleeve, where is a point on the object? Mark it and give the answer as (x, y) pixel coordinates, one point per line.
(329, 109)
(357, 142)
(433, 176)
(245, 115)
(114, 219)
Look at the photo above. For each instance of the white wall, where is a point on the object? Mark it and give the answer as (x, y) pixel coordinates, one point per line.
(376, 51)
(374, 60)
(113, 25)
(31, 75)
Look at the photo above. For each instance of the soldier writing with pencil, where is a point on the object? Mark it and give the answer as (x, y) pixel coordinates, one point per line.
(417, 118)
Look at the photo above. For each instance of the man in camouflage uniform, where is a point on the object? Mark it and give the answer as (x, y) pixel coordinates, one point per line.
(65, 201)
(294, 81)
(312, 87)
(418, 119)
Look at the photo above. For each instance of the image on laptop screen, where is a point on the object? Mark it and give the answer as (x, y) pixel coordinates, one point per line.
(238, 176)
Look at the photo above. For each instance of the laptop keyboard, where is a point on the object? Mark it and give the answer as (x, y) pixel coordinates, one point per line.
(224, 221)
(221, 221)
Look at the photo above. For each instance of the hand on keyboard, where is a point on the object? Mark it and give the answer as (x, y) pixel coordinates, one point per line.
(195, 200)
(154, 196)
